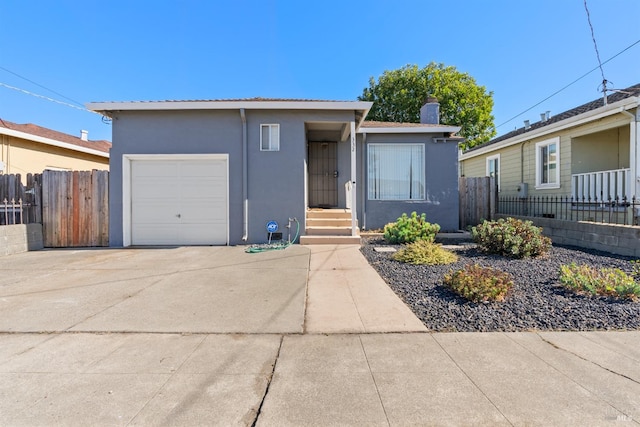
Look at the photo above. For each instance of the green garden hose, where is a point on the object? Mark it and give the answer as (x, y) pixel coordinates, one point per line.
(254, 249)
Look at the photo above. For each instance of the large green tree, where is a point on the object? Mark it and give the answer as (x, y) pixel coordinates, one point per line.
(397, 96)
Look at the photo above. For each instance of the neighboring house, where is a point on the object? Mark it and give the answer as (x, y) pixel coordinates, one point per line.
(591, 152)
(216, 172)
(28, 148)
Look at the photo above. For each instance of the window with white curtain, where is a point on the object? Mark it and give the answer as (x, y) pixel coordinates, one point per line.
(396, 172)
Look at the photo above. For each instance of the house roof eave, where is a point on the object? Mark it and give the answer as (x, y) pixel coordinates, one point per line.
(413, 129)
(52, 142)
(107, 107)
(360, 108)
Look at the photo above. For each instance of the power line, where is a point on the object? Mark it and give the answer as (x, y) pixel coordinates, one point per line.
(570, 84)
(47, 98)
(43, 87)
(595, 45)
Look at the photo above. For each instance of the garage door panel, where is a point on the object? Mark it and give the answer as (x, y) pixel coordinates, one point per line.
(158, 191)
(215, 168)
(148, 235)
(202, 189)
(154, 168)
(155, 214)
(194, 233)
(179, 202)
(212, 214)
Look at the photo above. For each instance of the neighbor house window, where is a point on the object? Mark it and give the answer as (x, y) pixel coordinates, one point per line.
(493, 168)
(396, 171)
(548, 163)
(270, 137)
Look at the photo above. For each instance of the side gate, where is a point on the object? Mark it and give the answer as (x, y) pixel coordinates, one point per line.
(75, 209)
(478, 198)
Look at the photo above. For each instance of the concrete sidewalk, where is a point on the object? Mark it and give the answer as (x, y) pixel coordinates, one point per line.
(214, 336)
(587, 378)
(456, 379)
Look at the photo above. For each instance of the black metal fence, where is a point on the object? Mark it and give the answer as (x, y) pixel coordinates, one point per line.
(617, 211)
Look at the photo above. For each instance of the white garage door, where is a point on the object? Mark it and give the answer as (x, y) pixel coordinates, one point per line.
(179, 202)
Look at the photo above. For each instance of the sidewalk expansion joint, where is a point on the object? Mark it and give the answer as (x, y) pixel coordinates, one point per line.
(270, 378)
(472, 381)
(373, 378)
(588, 360)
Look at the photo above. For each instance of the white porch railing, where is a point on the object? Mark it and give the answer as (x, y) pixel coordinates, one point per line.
(347, 191)
(602, 185)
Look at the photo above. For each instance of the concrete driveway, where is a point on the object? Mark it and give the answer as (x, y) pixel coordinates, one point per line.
(179, 290)
(306, 336)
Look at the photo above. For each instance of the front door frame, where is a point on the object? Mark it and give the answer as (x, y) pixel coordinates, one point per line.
(325, 177)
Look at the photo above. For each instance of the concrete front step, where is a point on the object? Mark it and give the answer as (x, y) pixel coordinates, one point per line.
(328, 213)
(329, 227)
(330, 231)
(329, 222)
(330, 240)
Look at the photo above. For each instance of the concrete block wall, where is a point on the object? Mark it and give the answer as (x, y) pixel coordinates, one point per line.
(18, 238)
(616, 239)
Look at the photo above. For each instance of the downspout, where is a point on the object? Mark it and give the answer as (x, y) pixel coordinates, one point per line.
(521, 161)
(363, 180)
(8, 141)
(245, 174)
(2, 150)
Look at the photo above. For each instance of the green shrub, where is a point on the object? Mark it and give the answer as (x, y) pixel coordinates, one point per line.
(478, 284)
(635, 265)
(408, 229)
(511, 237)
(425, 252)
(611, 282)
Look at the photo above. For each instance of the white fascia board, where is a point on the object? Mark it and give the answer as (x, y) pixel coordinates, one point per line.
(412, 129)
(52, 142)
(229, 105)
(598, 113)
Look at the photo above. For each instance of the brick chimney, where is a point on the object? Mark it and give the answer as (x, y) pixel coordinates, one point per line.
(430, 111)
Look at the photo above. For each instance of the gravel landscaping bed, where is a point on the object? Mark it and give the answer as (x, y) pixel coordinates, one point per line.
(536, 302)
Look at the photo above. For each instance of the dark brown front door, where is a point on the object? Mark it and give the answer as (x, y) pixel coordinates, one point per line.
(323, 174)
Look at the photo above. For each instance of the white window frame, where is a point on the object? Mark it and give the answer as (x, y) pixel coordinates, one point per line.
(495, 158)
(539, 161)
(423, 178)
(274, 137)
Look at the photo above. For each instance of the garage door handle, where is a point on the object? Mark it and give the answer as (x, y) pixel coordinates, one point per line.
(178, 216)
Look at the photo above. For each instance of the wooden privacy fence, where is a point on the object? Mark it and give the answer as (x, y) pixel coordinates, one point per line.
(478, 199)
(75, 208)
(20, 204)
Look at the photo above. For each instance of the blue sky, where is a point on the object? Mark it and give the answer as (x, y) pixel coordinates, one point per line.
(130, 50)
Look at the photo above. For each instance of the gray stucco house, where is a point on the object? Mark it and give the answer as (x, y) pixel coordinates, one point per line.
(216, 172)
